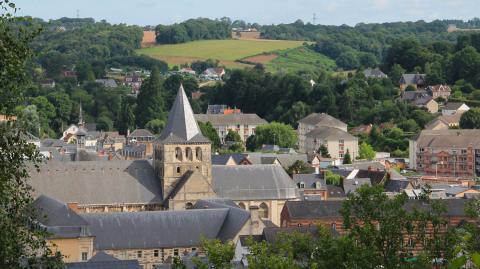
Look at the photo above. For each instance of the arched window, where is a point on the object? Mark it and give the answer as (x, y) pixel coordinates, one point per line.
(178, 154)
(198, 153)
(189, 154)
(241, 205)
(178, 169)
(188, 205)
(263, 211)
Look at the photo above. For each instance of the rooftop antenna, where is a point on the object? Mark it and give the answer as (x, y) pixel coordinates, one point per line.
(314, 20)
(78, 14)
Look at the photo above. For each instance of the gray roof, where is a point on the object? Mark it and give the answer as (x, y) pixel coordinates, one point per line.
(141, 133)
(221, 159)
(98, 183)
(455, 190)
(107, 82)
(102, 260)
(453, 106)
(102, 257)
(396, 185)
(286, 160)
(322, 119)
(58, 219)
(235, 220)
(335, 192)
(163, 229)
(412, 79)
(461, 138)
(253, 182)
(181, 125)
(309, 180)
(374, 73)
(325, 133)
(351, 185)
(231, 119)
(50, 142)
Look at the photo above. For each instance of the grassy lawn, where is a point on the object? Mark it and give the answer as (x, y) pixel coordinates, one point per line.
(226, 51)
(300, 58)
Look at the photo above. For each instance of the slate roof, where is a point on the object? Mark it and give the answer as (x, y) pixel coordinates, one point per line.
(221, 159)
(102, 260)
(326, 133)
(231, 119)
(59, 219)
(445, 119)
(286, 160)
(322, 119)
(413, 79)
(455, 190)
(374, 73)
(335, 192)
(50, 142)
(453, 106)
(310, 180)
(141, 133)
(98, 183)
(460, 138)
(253, 182)
(396, 185)
(235, 220)
(107, 82)
(411, 96)
(351, 185)
(181, 125)
(162, 229)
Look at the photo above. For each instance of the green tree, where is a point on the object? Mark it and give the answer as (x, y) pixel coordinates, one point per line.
(323, 150)
(470, 119)
(299, 167)
(209, 132)
(233, 136)
(150, 100)
(104, 123)
(219, 255)
(29, 120)
(22, 239)
(155, 126)
(396, 73)
(126, 117)
(332, 178)
(347, 159)
(251, 143)
(276, 133)
(365, 151)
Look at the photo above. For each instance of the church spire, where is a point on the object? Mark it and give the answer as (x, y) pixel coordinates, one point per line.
(80, 117)
(181, 122)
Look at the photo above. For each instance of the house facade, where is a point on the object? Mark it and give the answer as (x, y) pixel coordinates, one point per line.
(446, 153)
(316, 121)
(440, 90)
(243, 124)
(452, 108)
(418, 81)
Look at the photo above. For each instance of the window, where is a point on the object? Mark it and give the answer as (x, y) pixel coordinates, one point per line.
(318, 185)
(188, 206)
(194, 249)
(175, 252)
(139, 254)
(189, 154)
(198, 153)
(163, 254)
(301, 185)
(334, 226)
(178, 154)
(263, 210)
(178, 169)
(464, 151)
(84, 256)
(341, 141)
(241, 205)
(155, 253)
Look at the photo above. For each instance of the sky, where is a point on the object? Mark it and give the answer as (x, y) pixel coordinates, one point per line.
(336, 12)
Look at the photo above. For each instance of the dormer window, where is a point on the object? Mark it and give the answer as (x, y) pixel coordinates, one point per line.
(301, 185)
(318, 185)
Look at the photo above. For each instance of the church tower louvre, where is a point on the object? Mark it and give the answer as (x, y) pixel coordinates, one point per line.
(182, 158)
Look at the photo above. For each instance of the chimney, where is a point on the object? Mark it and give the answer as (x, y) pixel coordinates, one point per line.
(73, 206)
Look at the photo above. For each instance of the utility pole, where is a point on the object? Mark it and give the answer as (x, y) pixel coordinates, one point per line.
(78, 14)
(314, 19)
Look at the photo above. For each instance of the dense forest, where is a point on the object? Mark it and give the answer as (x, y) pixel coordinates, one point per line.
(193, 29)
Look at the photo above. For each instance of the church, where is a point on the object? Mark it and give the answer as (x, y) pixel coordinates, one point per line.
(180, 174)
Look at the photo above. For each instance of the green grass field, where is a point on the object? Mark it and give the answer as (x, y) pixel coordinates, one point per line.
(226, 51)
(300, 59)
